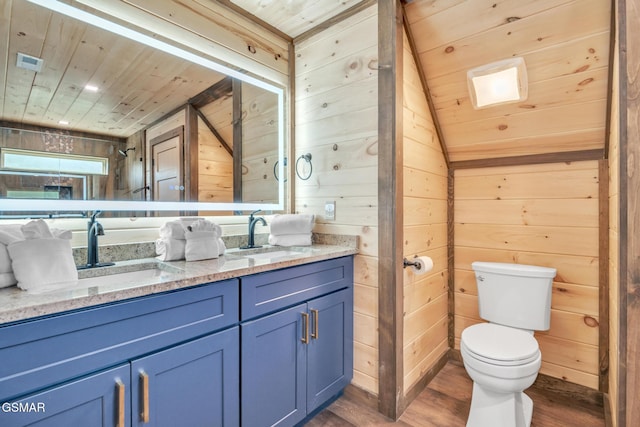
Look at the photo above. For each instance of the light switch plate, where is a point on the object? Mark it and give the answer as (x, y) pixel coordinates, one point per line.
(330, 211)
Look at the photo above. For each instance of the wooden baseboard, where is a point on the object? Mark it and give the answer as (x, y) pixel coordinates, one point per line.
(417, 388)
(361, 396)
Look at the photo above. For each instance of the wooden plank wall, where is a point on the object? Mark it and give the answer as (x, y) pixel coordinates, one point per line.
(424, 233)
(259, 144)
(565, 45)
(215, 168)
(336, 121)
(544, 215)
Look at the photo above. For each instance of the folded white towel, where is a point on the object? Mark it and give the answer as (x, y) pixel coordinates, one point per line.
(290, 240)
(201, 245)
(37, 229)
(170, 249)
(7, 279)
(5, 261)
(205, 225)
(62, 234)
(172, 230)
(11, 233)
(40, 263)
(292, 224)
(221, 246)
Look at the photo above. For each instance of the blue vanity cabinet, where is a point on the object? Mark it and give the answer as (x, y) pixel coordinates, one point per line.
(273, 365)
(101, 400)
(193, 384)
(330, 348)
(81, 364)
(296, 357)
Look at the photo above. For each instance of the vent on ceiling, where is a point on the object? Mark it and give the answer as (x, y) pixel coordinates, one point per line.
(29, 62)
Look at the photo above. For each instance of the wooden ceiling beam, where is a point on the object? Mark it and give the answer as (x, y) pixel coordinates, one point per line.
(425, 87)
(533, 159)
(218, 90)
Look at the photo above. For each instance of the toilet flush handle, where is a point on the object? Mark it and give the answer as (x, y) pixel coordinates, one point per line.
(480, 278)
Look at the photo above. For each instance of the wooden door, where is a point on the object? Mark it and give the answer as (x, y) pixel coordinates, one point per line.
(167, 174)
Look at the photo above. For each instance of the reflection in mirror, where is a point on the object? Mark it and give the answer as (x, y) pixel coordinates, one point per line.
(165, 129)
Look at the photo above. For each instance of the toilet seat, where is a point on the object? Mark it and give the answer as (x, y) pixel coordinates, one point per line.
(499, 345)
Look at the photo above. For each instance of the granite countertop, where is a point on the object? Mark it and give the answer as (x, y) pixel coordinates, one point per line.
(135, 278)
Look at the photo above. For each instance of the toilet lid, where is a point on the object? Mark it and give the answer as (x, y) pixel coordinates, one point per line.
(500, 344)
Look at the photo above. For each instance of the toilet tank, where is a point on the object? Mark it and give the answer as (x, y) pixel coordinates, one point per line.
(515, 295)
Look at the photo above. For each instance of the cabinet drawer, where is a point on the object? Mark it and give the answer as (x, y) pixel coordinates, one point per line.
(43, 352)
(267, 292)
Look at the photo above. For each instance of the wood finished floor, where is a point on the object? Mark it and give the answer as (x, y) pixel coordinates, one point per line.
(445, 403)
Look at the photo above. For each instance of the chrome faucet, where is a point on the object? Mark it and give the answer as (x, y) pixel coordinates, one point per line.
(94, 229)
(252, 229)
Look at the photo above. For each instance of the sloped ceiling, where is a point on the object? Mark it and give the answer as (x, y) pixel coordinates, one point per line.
(565, 45)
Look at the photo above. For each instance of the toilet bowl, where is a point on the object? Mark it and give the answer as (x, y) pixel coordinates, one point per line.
(502, 362)
(503, 358)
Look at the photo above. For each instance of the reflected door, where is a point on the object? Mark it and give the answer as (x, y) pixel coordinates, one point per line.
(168, 177)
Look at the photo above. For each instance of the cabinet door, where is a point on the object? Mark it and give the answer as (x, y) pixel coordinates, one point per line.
(330, 350)
(97, 400)
(274, 369)
(193, 384)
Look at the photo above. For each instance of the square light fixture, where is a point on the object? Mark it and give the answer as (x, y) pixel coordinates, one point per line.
(501, 82)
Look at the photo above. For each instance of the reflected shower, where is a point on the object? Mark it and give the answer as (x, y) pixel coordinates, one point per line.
(124, 153)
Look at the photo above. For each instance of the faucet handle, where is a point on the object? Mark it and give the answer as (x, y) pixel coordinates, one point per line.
(254, 212)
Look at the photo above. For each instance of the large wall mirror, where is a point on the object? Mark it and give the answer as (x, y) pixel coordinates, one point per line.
(95, 116)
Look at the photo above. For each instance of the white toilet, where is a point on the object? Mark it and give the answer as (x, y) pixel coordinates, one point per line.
(502, 357)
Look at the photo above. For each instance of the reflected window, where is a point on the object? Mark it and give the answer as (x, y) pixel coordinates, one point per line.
(40, 161)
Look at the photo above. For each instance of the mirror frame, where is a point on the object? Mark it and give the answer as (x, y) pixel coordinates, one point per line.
(26, 205)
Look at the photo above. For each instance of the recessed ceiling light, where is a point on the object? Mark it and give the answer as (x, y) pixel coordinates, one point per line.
(91, 88)
(501, 82)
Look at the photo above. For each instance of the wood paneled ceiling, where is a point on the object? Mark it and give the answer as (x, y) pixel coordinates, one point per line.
(565, 45)
(137, 84)
(295, 17)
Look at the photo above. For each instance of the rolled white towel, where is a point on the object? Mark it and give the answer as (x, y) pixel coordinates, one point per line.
(7, 279)
(36, 229)
(11, 233)
(170, 249)
(290, 240)
(201, 245)
(172, 230)
(41, 263)
(291, 224)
